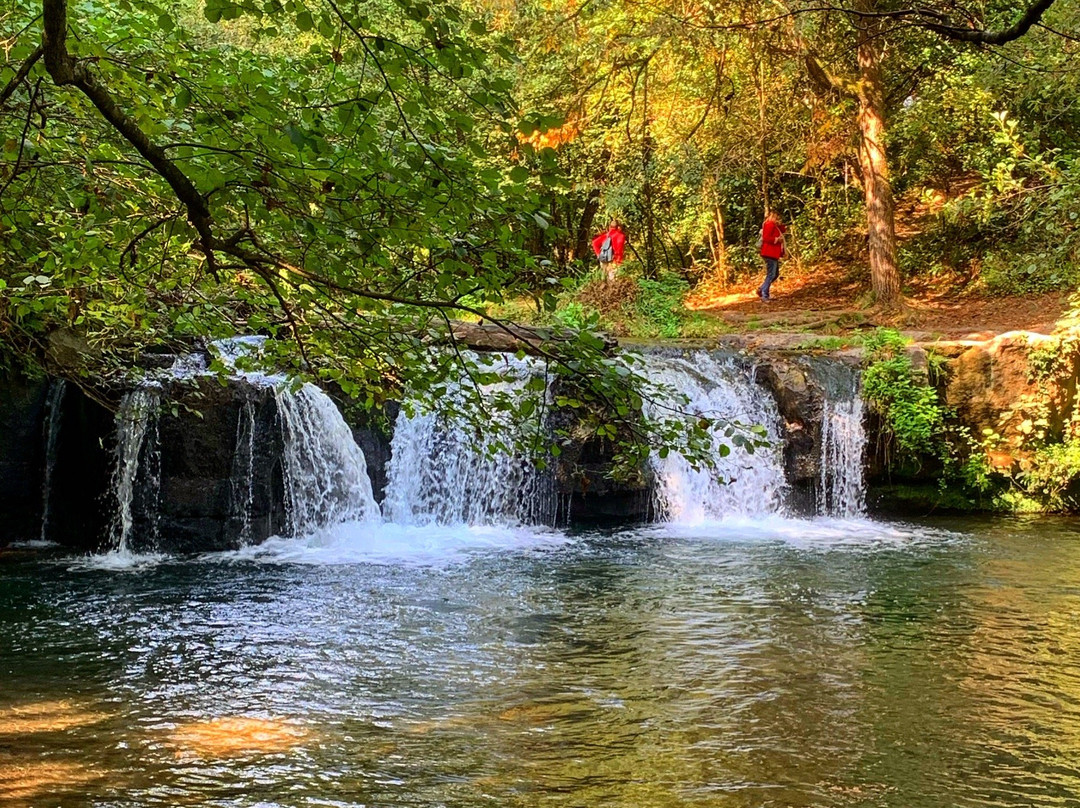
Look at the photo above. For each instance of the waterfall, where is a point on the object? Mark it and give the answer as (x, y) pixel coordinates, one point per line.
(842, 488)
(326, 480)
(136, 419)
(455, 466)
(53, 410)
(741, 484)
(243, 493)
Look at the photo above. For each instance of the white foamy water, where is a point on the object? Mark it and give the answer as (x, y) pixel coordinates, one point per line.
(326, 479)
(819, 533)
(388, 543)
(741, 484)
(118, 561)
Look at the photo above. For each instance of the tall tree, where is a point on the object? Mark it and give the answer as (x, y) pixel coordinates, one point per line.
(875, 24)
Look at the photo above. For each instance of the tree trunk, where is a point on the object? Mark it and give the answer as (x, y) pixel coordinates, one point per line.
(583, 241)
(763, 133)
(881, 225)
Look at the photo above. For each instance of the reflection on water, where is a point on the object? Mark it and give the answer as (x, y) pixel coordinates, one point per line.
(39, 782)
(45, 716)
(235, 735)
(754, 664)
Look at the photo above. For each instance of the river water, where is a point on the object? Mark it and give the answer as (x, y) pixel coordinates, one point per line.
(765, 662)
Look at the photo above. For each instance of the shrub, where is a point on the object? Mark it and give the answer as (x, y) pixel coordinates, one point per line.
(913, 417)
(660, 304)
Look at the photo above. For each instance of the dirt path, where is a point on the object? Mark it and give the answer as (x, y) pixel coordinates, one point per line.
(832, 299)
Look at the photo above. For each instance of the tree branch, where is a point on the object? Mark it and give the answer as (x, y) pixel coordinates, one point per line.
(825, 81)
(66, 70)
(20, 74)
(1030, 17)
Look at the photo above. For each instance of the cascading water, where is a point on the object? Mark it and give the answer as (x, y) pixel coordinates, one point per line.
(53, 410)
(454, 467)
(243, 493)
(326, 479)
(842, 487)
(444, 469)
(137, 469)
(741, 484)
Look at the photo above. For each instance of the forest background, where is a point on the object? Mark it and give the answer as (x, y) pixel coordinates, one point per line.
(351, 176)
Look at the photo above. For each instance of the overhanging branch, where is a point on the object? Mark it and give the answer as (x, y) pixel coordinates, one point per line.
(65, 69)
(1030, 17)
(21, 74)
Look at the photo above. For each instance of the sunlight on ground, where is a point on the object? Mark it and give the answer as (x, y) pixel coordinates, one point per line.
(699, 303)
(46, 716)
(30, 780)
(237, 735)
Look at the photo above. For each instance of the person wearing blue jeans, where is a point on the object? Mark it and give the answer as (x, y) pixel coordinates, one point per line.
(772, 250)
(772, 272)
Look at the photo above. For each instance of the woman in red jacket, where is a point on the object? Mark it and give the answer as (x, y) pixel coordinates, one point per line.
(772, 250)
(609, 247)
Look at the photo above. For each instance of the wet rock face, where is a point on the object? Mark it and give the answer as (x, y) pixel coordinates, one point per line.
(799, 401)
(78, 464)
(987, 383)
(80, 502)
(22, 402)
(373, 432)
(584, 480)
(594, 497)
(221, 479)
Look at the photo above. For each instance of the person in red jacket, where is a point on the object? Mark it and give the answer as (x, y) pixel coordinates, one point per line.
(609, 247)
(772, 250)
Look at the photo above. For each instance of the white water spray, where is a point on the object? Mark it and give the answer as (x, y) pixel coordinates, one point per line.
(742, 484)
(326, 479)
(447, 470)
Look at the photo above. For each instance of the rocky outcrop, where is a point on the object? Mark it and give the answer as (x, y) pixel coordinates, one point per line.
(22, 402)
(221, 477)
(212, 475)
(799, 401)
(77, 462)
(1004, 385)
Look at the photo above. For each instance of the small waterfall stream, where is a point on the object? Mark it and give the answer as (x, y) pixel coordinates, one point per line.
(843, 490)
(243, 480)
(741, 484)
(841, 487)
(326, 479)
(53, 410)
(137, 469)
(446, 468)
